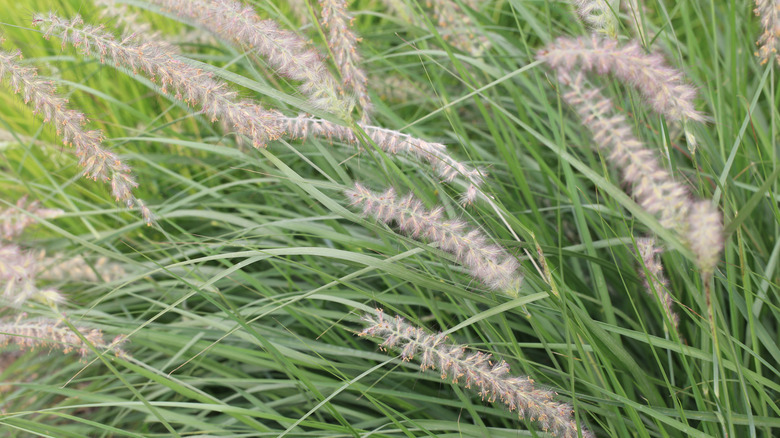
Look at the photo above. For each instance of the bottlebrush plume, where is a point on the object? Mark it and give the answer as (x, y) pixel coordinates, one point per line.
(705, 234)
(289, 54)
(653, 187)
(655, 281)
(190, 84)
(47, 333)
(699, 225)
(391, 142)
(160, 62)
(663, 87)
(600, 15)
(13, 220)
(97, 163)
(343, 44)
(491, 264)
(18, 274)
(76, 268)
(490, 379)
(124, 18)
(768, 11)
(457, 28)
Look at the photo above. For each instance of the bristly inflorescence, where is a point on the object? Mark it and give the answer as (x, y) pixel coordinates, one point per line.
(46, 333)
(18, 267)
(18, 275)
(768, 11)
(123, 17)
(343, 42)
(489, 263)
(655, 282)
(654, 188)
(663, 87)
(490, 379)
(97, 162)
(392, 142)
(13, 220)
(195, 86)
(161, 63)
(457, 28)
(697, 222)
(705, 234)
(289, 54)
(600, 15)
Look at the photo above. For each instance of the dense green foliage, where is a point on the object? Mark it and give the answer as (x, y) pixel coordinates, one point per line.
(242, 303)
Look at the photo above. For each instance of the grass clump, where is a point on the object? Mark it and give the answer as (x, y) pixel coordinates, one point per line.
(630, 176)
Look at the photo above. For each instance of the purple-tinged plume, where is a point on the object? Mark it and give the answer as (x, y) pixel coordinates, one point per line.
(391, 142)
(343, 44)
(50, 334)
(663, 87)
(491, 380)
(699, 225)
(289, 54)
(457, 27)
(18, 275)
(160, 62)
(491, 264)
(655, 282)
(600, 15)
(97, 163)
(705, 234)
(653, 187)
(768, 11)
(14, 220)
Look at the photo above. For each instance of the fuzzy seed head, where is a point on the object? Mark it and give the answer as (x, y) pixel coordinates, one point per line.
(41, 95)
(600, 15)
(285, 51)
(14, 220)
(391, 142)
(489, 263)
(173, 74)
(663, 87)
(655, 281)
(768, 12)
(49, 334)
(705, 234)
(490, 379)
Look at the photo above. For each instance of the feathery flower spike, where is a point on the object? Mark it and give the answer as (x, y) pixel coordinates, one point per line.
(160, 62)
(599, 15)
(299, 9)
(635, 11)
(662, 86)
(97, 163)
(124, 18)
(698, 223)
(76, 268)
(392, 142)
(491, 264)
(18, 272)
(47, 333)
(282, 49)
(491, 379)
(13, 221)
(656, 283)
(343, 43)
(457, 28)
(705, 234)
(768, 11)
(653, 186)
